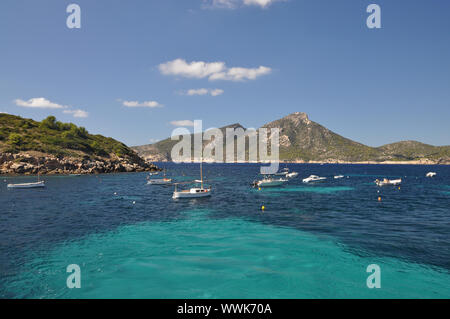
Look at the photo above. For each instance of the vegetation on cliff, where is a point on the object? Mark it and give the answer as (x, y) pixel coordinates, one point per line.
(53, 137)
(61, 148)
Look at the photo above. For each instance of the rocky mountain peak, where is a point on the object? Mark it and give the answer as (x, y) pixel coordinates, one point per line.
(298, 117)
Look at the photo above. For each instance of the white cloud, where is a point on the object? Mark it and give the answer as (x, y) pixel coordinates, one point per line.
(4, 113)
(227, 4)
(43, 103)
(77, 113)
(150, 104)
(216, 92)
(261, 3)
(195, 69)
(182, 123)
(241, 74)
(212, 70)
(212, 92)
(233, 4)
(39, 102)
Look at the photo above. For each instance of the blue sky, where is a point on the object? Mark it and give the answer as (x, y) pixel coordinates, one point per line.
(117, 76)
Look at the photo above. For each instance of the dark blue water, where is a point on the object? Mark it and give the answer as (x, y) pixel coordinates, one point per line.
(125, 233)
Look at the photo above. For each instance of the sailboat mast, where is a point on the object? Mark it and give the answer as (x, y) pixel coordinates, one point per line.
(38, 170)
(201, 168)
(201, 171)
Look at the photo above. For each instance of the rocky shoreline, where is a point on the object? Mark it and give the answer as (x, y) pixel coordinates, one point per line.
(26, 164)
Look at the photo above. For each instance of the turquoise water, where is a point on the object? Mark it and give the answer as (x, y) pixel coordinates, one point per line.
(312, 241)
(199, 257)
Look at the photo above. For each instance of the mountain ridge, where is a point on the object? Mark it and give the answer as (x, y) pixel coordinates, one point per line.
(303, 140)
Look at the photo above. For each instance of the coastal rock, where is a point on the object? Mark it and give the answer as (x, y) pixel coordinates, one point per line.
(27, 164)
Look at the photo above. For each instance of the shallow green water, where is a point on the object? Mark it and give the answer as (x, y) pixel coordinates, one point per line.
(201, 257)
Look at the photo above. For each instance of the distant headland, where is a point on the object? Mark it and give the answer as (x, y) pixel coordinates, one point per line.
(305, 141)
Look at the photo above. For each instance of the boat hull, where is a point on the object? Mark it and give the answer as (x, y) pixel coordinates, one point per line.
(395, 182)
(307, 180)
(27, 185)
(271, 183)
(159, 182)
(191, 194)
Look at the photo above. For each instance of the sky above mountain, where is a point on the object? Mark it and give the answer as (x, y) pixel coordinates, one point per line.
(137, 69)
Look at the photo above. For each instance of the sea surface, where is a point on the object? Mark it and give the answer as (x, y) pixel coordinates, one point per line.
(132, 240)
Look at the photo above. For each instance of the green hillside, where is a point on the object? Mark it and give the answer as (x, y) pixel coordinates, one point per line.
(53, 137)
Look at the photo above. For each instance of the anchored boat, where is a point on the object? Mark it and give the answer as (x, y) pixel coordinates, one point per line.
(386, 181)
(195, 192)
(270, 182)
(38, 184)
(313, 178)
(159, 181)
(28, 185)
(292, 175)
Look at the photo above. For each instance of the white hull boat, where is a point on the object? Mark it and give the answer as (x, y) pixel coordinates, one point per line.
(38, 184)
(313, 178)
(159, 181)
(386, 181)
(28, 185)
(431, 174)
(270, 182)
(192, 193)
(283, 172)
(292, 175)
(339, 176)
(196, 192)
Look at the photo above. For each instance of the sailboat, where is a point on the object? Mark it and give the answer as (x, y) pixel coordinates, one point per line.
(195, 192)
(37, 184)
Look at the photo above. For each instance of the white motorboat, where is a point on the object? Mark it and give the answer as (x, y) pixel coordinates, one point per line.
(292, 175)
(386, 181)
(431, 174)
(338, 176)
(28, 185)
(270, 182)
(283, 172)
(195, 192)
(159, 181)
(313, 178)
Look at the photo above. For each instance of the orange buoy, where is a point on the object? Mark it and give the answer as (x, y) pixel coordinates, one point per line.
(379, 199)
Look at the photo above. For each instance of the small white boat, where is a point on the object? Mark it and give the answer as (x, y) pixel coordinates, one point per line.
(159, 181)
(27, 185)
(270, 182)
(292, 175)
(338, 176)
(283, 172)
(386, 181)
(195, 192)
(38, 184)
(313, 178)
(431, 174)
(192, 193)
